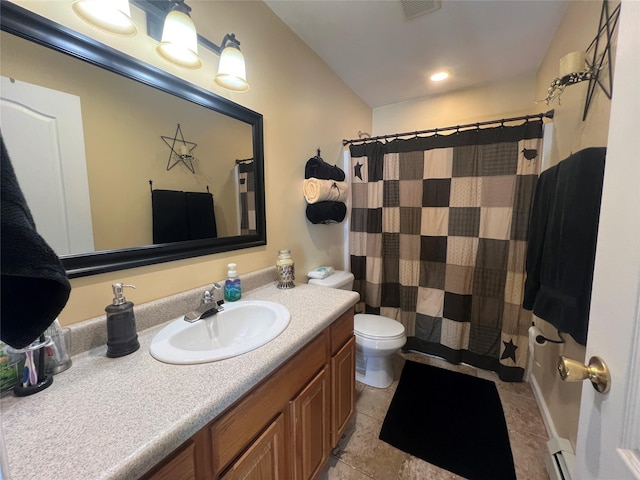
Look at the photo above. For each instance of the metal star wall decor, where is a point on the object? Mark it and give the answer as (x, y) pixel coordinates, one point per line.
(600, 61)
(182, 152)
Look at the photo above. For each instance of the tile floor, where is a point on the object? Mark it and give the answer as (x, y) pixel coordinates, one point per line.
(360, 455)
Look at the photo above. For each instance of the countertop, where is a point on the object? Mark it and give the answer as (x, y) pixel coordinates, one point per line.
(115, 418)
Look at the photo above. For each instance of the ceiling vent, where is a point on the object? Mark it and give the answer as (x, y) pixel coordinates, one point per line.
(415, 8)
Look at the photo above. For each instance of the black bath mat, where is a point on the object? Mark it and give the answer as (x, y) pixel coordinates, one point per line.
(451, 420)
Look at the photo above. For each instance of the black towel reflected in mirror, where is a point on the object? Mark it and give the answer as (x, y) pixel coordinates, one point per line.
(181, 216)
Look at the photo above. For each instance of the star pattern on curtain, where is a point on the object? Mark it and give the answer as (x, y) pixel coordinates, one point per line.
(357, 170)
(509, 350)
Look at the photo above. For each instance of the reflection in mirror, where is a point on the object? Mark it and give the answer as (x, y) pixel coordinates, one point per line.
(99, 215)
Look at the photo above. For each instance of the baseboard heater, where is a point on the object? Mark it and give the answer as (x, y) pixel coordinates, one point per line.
(560, 459)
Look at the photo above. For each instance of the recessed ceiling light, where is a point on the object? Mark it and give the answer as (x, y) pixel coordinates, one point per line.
(439, 76)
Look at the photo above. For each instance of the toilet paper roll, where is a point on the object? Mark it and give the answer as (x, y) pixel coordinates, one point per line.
(534, 332)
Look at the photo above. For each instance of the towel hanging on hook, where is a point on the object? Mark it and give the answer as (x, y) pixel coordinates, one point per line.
(316, 167)
(151, 187)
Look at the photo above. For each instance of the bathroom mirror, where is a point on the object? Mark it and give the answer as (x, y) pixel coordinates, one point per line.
(223, 134)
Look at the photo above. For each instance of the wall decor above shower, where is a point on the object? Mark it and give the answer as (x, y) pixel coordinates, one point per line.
(593, 66)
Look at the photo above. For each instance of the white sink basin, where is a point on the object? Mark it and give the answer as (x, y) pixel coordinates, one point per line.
(241, 327)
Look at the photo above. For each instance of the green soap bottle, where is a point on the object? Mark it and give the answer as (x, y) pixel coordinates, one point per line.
(232, 287)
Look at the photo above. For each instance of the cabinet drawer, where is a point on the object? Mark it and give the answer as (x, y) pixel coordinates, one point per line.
(341, 331)
(243, 421)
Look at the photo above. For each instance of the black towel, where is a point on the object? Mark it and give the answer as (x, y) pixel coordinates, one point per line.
(326, 212)
(169, 216)
(34, 284)
(562, 242)
(316, 167)
(200, 215)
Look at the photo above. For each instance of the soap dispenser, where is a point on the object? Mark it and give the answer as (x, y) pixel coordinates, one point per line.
(122, 338)
(232, 287)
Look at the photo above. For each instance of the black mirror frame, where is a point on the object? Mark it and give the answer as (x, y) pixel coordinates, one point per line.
(30, 26)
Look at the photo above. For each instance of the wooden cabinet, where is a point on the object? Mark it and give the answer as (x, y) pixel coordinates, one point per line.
(264, 459)
(310, 427)
(285, 426)
(190, 461)
(343, 365)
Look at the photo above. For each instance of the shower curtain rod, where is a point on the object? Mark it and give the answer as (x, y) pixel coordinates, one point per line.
(548, 114)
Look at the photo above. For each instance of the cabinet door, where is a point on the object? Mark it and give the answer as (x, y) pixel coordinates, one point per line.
(310, 425)
(264, 459)
(343, 379)
(179, 466)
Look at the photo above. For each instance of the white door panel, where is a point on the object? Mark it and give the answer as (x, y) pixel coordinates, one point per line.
(42, 129)
(608, 445)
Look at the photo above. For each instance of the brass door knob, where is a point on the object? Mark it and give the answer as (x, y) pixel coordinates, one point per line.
(596, 371)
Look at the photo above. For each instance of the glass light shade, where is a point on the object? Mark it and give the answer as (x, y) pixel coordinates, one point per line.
(179, 42)
(231, 70)
(113, 16)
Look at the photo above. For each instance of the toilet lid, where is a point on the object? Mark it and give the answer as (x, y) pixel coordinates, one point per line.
(377, 326)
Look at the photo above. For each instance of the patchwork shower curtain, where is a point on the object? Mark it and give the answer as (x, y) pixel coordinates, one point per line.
(245, 176)
(438, 240)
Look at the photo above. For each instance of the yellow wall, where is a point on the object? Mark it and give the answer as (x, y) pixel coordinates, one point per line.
(511, 98)
(305, 107)
(517, 97)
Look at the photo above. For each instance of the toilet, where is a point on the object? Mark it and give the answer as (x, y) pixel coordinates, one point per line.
(377, 337)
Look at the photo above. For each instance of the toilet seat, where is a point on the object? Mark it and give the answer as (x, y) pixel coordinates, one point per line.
(377, 327)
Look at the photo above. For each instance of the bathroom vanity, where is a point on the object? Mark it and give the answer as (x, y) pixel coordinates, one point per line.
(274, 412)
(286, 425)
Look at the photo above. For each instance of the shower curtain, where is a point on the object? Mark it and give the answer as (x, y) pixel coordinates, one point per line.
(438, 240)
(245, 178)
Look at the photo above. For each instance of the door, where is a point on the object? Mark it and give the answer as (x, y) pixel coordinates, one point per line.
(608, 444)
(46, 124)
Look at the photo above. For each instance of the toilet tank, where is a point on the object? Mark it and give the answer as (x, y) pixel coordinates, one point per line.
(338, 279)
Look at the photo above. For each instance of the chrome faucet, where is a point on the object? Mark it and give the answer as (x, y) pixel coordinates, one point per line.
(210, 304)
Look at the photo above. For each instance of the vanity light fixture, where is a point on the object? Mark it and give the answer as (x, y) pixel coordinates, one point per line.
(231, 70)
(179, 43)
(113, 16)
(169, 22)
